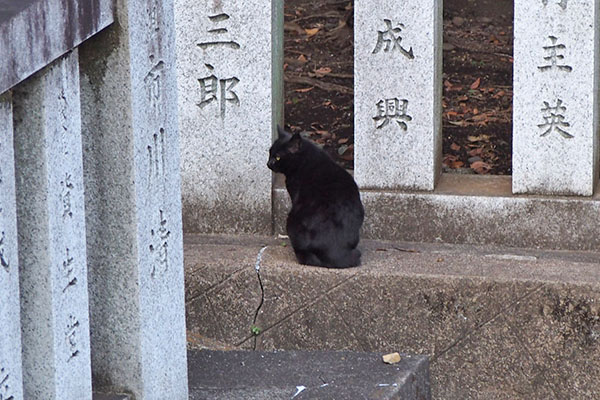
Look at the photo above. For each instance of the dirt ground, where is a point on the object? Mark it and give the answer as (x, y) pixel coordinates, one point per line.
(477, 80)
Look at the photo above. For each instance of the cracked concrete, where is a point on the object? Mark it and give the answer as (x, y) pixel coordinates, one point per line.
(498, 322)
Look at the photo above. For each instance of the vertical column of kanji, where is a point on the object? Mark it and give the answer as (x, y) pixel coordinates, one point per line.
(158, 190)
(51, 227)
(555, 105)
(11, 384)
(229, 56)
(397, 93)
(133, 201)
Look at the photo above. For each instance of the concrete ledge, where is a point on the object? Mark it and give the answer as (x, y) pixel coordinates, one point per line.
(251, 375)
(498, 323)
(33, 33)
(473, 210)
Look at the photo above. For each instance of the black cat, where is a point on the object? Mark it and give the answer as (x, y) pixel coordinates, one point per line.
(326, 215)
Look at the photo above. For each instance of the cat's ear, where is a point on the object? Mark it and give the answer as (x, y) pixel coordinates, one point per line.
(295, 143)
(282, 133)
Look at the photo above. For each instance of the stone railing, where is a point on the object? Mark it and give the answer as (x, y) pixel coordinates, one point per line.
(91, 275)
(229, 71)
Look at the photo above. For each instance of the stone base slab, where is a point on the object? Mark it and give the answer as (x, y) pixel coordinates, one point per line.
(472, 210)
(110, 396)
(497, 322)
(259, 375)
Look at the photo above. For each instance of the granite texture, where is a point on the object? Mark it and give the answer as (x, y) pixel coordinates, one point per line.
(397, 94)
(229, 71)
(51, 227)
(133, 203)
(555, 104)
(33, 33)
(474, 210)
(498, 323)
(306, 375)
(10, 320)
(110, 396)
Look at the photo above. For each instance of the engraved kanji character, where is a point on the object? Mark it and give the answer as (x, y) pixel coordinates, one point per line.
(67, 271)
(553, 57)
(160, 245)
(220, 90)
(3, 257)
(392, 109)
(4, 388)
(561, 3)
(391, 39)
(65, 195)
(156, 155)
(554, 120)
(218, 31)
(71, 333)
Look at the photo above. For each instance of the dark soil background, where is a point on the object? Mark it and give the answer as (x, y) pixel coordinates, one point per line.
(477, 80)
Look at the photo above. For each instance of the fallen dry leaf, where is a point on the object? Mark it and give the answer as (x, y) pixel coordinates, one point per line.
(392, 358)
(321, 72)
(293, 27)
(348, 153)
(311, 32)
(302, 58)
(475, 84)
(454, 147)
(304, 90)
(479, 118)
(475, 152)
(480, 167)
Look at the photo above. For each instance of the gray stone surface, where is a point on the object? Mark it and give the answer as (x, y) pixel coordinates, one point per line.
(109, 396)
(133, 204)
(555, 104)
(397, 93)
(306, 375)
(498, 323)
(475, 210)
(51, 227)
(11, 383)
(229, 66)
(35, 32)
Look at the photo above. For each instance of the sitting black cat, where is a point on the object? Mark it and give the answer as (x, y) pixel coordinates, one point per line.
(326, 215)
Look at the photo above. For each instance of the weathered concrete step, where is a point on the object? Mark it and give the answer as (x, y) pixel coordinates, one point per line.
(497, 323)
(472, 209)
(258, 375)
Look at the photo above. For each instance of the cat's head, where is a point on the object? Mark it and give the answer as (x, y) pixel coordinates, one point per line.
(284, 152)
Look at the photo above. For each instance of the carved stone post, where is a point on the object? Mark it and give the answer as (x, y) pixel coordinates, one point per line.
(397, 94)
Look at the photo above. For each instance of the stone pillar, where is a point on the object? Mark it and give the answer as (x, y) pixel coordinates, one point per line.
(397, 93)
(11, 383)
(51, 227)
(229, 66)
(555, 104)
(133, 204)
